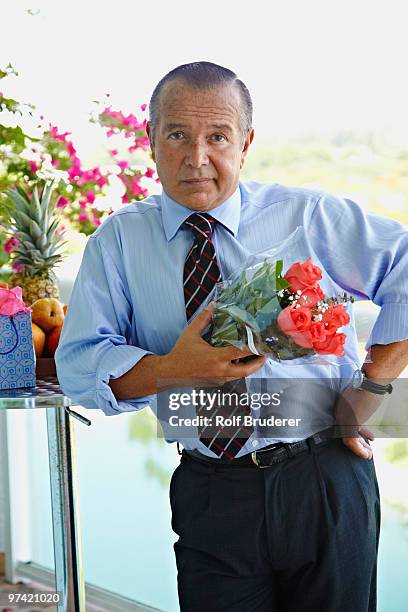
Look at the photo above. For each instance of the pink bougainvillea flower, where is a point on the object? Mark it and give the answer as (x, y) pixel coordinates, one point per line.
(90, 197)
(83, 217)
(62, 202)
(11, 244)
(123, 164)
(33, 166)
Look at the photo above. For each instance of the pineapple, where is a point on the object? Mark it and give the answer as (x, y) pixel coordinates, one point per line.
(33, 224)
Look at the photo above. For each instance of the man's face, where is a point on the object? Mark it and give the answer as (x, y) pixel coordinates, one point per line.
(199, 147)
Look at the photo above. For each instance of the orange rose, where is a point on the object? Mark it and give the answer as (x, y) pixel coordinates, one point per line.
(332, 345)
(310, 296)
(335, 317)
(318, 331)
(295, 322)
(303, 275)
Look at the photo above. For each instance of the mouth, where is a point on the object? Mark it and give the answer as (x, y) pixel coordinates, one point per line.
(197, 181)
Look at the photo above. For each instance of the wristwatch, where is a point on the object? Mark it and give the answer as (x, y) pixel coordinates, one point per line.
(360, 381)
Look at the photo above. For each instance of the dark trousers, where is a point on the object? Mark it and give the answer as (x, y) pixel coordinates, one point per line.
(300, 536)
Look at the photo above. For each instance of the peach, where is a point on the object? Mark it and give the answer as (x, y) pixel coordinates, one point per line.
(38, 340)
(53, 340)
(47, 313)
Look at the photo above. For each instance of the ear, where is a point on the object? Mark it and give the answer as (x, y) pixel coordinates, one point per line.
(247, 142)
(149, 134)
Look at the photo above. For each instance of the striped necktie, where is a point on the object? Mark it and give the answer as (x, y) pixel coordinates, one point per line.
(201, 270)
(201, 273)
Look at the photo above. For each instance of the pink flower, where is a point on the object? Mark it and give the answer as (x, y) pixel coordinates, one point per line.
(17, 267)
(101, 181)
(114, 152)
(71, 149)
(83, 217)
(332, 345)
(90, 197)
(82, 204)
(149, 173)
(55, 163)
(311, 296)
(11, 244)
(123, 164)
(303, 275)
(143, 107)
(33, 166)
(296, 322)
(62, 202)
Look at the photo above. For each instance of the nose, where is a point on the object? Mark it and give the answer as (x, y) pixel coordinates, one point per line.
(197, 154)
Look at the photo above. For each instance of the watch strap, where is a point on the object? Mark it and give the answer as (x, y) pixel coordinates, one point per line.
(373, 387)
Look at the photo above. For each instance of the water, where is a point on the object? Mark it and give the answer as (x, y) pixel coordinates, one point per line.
(125, 514)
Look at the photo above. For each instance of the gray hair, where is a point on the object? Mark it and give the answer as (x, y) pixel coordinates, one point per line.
(202, 75)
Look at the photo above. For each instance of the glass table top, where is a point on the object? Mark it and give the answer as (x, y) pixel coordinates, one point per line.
(46, 394)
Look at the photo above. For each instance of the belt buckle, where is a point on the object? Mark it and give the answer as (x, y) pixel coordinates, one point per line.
(255, 458)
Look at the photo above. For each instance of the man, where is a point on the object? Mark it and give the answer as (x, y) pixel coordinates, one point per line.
(303, 533)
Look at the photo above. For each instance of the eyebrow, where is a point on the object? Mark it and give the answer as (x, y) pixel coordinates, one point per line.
(176, 126)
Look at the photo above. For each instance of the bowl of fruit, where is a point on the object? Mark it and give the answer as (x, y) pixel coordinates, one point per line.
(48, 316)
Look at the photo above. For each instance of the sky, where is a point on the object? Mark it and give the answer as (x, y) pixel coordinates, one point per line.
(309, 65)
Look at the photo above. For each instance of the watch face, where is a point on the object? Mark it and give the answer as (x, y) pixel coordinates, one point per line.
(357, 379)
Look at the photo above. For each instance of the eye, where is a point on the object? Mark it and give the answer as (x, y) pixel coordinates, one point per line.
(218, 137)
(176, 135)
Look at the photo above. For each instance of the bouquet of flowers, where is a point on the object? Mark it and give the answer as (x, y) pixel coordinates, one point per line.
(284, 316)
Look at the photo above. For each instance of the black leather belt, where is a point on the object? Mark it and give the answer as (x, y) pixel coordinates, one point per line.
(269, 455)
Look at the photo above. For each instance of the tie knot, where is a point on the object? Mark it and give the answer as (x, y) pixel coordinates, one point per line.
(201, 224)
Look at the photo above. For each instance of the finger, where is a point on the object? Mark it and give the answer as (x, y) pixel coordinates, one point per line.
(232, 353)
(240, 370)
(367, 433)
(358, 447)
(200, 322)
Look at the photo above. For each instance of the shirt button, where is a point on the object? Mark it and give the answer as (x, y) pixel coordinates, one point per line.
(254, 442)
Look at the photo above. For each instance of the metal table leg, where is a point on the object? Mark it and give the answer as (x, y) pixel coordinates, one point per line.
(69, 577)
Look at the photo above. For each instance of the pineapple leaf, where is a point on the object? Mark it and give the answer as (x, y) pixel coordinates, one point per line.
(21, 220)
(35, 230)
(16, 196)
(36, 208)
(42, 242)
(46, 206)
(53, 226)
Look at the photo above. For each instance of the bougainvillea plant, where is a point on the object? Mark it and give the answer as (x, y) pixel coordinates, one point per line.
(51, 154)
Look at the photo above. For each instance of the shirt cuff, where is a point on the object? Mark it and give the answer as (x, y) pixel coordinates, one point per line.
(391, 325)
(116, 362)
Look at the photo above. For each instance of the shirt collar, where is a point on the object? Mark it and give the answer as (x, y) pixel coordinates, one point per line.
(174, 214)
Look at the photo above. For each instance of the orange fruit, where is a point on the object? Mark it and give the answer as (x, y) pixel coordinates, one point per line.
(47, 313)
(53, 339)
(38, 339)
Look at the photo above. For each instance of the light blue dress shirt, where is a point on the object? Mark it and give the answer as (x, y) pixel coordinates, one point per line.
(128, 300)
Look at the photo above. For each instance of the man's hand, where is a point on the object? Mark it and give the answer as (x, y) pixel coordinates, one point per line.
(359, 445)
(352, 410)
(193, 361)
